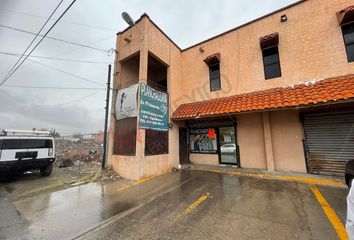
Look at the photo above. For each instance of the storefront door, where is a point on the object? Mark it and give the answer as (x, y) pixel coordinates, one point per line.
(227, 145)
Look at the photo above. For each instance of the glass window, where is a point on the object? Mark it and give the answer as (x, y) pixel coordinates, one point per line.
(227, 142)
(203, 140)
(348, 35)
(25, 143)
(214, 71)
(271, 63)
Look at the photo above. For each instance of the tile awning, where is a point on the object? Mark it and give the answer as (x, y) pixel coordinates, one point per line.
(270, 40)
(212, 59)
(330, 90)
(346, 15)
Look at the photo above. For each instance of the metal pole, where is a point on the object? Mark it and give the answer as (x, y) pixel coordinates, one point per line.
(106, 119)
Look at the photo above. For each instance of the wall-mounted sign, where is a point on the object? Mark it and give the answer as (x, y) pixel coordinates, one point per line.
(200, 141)
(153, 109)
(126, 102)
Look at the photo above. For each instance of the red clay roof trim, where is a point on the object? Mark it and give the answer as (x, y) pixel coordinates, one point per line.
(305, 94)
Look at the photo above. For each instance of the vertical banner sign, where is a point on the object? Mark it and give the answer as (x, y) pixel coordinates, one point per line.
(126, 102)
(153, 109)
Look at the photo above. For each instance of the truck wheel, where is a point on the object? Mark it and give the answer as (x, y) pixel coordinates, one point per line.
(47, 170)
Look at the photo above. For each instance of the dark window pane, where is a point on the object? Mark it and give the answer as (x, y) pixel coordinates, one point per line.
(271, 63)
(272, 71)
(348, 33)
(214, 71)
(349, 38)
(270, 58)
(214, 74)
(26, 143)
(125, 137)
(156, 142)
(215, 84)
(215, 67)
(350, 52)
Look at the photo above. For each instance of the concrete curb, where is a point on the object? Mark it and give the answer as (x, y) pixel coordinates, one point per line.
(302, 178)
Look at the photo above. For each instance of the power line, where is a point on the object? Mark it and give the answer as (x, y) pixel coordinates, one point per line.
(69, 22)
(55, 23)
(67, 73)
(58, 59)
(53, 38)
(10, 72)
(74, 101)
(75, 49)
(44, 87)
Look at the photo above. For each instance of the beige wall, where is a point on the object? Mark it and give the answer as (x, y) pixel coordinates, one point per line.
(155, 42)
(284, 141)
(250, 139)
(208, 159)
(310, 47)
(286, 130)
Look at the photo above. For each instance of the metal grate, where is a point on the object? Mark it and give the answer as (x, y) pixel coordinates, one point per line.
(329, 142)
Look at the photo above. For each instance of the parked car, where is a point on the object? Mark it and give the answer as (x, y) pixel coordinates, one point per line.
(22, 153)
(228, 148)
(349, 172)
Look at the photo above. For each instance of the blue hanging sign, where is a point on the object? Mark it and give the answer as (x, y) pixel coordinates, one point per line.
(153, 113)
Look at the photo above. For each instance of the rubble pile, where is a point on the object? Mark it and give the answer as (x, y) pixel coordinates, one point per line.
(78, 150)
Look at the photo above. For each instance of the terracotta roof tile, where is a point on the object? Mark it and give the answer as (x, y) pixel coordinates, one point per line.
(305, 94)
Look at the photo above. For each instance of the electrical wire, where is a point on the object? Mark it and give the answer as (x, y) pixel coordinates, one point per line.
(53, 38)
(75, 49)
(62, 71)
(55, 23)
(8, 74)
(57, 59)
(69, 22)
(74, 101)
(58, 88)
(67, 73)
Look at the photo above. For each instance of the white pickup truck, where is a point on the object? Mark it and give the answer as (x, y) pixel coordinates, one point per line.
(23, 153)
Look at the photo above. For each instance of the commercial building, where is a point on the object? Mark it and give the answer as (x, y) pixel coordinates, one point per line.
(275, 93)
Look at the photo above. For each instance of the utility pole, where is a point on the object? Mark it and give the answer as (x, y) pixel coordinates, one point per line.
(105, 140)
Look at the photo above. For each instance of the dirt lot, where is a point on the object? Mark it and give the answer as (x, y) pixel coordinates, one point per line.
(31, 183)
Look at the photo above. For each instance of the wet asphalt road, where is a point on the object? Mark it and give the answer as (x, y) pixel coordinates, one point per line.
(182, 205)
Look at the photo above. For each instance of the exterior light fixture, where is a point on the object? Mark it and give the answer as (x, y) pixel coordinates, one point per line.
(127, 18)
(283, 18)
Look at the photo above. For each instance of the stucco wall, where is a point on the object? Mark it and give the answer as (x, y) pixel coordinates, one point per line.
(311, 47)
(153, 42)
(286, 131)
(207, 159)
(250, 139)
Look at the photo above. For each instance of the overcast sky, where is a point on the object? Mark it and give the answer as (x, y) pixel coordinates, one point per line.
(94, 23)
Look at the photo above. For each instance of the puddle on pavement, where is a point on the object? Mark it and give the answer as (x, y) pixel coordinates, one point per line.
(85, 205)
